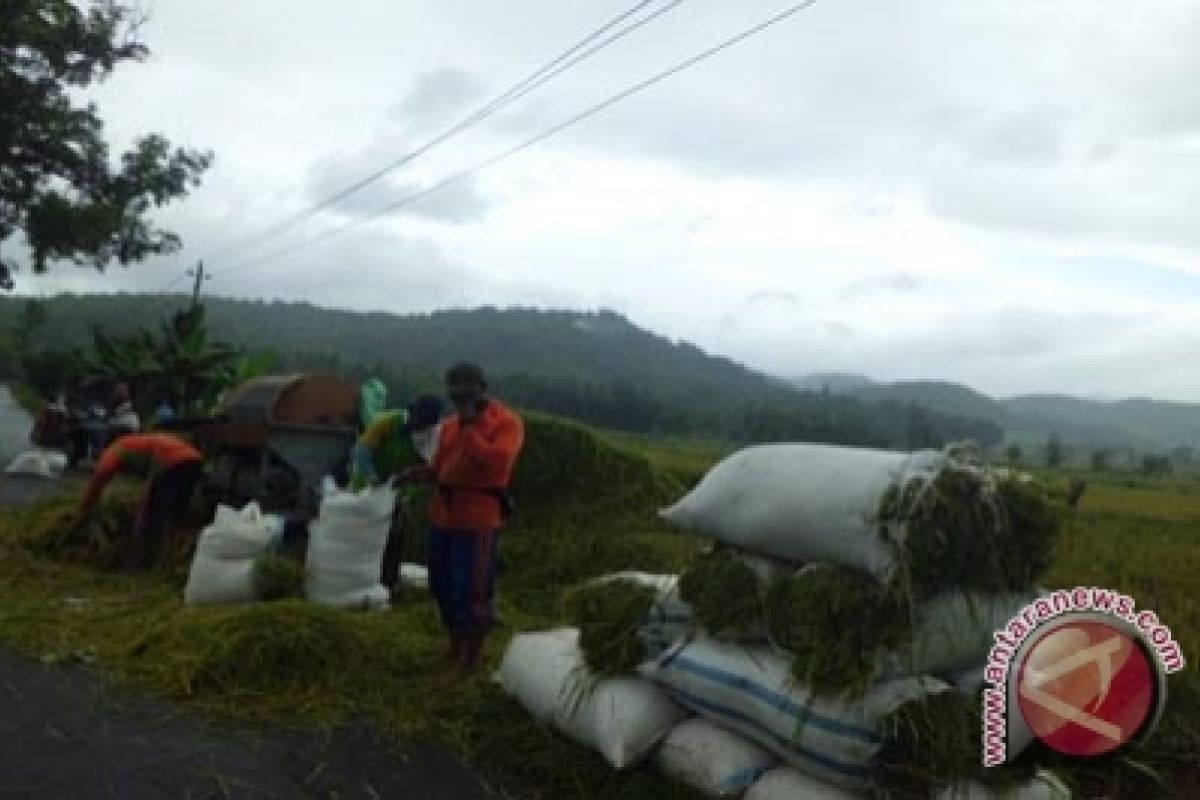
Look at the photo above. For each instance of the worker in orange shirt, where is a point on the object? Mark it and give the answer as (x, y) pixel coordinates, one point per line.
(173, 467)
(477, 450)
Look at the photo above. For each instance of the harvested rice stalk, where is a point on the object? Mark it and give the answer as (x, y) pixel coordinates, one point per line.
(278, 578)
(104, 539)
(724, 592)
(962, 530)
(609, 615)
(935, 741)
(289, 647)
(837, 624)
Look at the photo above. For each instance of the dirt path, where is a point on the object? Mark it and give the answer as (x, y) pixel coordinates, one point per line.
(64, 733)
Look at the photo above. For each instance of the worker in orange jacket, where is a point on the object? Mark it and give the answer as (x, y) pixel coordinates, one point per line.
(173, 467)
(477, 450)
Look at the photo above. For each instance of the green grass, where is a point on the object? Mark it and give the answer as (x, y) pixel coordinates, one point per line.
(584, 509)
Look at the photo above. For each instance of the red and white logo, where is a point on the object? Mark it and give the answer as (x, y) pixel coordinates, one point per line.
(1087, 687)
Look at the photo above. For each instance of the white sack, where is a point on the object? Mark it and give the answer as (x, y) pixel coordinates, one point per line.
(953, 632)
(223, 566)
(714, 761)
(802, 502)
(787, 783)
(414, 575)
(621, 718)
(751, 690)
(345, 547)
(37, 463)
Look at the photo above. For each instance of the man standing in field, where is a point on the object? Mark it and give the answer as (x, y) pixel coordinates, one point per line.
(173, 467)
(476, 453)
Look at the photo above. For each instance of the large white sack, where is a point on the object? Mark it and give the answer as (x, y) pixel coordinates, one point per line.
(1043, 786)
(953, 632)
(345, 547)
(751, 690)
(714, 761)
(620, 718)
(788, 783)
(802, 502)
(223, 567)
(414, 575)
(37, 463)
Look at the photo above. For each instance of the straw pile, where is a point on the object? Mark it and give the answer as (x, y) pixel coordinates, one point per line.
(964, 530)
(836, 625)
(609, 615)
(278, 577)
(104, 538)
(724, 593)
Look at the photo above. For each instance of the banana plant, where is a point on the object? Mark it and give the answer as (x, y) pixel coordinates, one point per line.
(188, 362)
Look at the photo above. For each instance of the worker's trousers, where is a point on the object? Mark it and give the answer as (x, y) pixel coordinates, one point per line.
(167, 495)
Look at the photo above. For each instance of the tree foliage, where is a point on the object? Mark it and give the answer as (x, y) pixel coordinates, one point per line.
(595, 367)
(1056, 452)
(58, 183)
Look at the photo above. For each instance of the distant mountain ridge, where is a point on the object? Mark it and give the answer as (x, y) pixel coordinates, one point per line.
(1136, 422)
(600, 367)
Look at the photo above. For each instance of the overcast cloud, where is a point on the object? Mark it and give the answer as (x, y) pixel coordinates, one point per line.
(1000, 192)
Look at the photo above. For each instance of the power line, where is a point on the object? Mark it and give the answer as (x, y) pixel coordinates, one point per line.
(534, 80)
(591, 111)
(175, 282)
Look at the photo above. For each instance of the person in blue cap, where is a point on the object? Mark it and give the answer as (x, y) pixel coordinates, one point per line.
(394, 441)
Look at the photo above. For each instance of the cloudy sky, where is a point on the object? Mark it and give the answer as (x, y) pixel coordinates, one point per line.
(1001, 192)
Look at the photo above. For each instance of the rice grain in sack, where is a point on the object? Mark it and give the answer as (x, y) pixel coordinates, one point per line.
(345, 547)
(620, 718)
(751, 690)
(714, 761)
(223, 567)
(788, 783)
(802, 502)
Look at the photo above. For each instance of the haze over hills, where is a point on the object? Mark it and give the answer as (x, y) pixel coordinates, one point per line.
(602, 368)
(1140, 423)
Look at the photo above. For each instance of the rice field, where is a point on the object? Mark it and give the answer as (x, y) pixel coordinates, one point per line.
(270, 661)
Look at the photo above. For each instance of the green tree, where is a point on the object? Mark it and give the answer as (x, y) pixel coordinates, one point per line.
(1014, 454)
(1055, 451)
(58, 185)
(1100, 461)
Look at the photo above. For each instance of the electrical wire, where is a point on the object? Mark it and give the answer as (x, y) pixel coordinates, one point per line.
(591, 111)
(558, 65)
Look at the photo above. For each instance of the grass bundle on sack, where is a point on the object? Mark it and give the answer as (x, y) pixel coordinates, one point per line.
(962, 530)
(835, 622)
(609, 615)
(278, 577)
(724, 593)
(935, 742)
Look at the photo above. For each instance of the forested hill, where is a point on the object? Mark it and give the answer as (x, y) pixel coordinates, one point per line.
(598, 367)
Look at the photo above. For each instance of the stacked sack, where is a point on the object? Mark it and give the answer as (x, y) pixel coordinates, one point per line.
(889, 573)
(828, 645)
